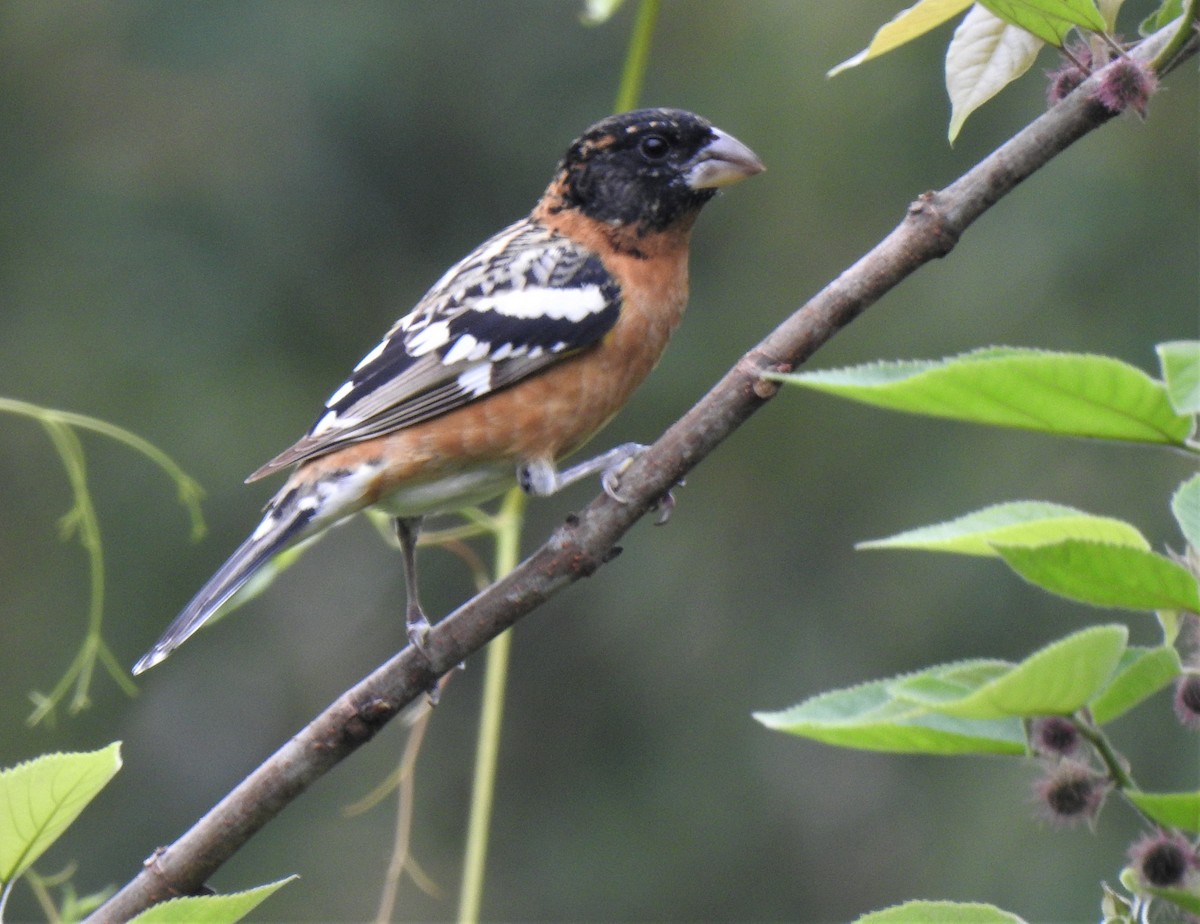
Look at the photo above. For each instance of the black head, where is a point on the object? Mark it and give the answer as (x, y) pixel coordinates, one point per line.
(650, 168)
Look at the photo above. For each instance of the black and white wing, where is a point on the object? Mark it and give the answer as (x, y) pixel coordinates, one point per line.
(523, 300)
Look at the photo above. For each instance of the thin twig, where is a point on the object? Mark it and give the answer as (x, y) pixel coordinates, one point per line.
(400, 859)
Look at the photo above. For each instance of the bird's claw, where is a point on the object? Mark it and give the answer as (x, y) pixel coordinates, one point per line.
(418, 637)
(611, 479)
(665, 506)
(418, 631)
(611, 482)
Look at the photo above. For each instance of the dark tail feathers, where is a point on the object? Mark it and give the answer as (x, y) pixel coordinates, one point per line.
(284, 523)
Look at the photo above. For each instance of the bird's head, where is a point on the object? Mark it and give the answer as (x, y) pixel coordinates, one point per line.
(649, 170)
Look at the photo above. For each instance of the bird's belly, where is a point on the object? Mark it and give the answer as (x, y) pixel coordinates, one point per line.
(447, 492)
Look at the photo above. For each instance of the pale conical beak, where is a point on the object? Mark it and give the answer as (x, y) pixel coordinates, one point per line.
(721, 162)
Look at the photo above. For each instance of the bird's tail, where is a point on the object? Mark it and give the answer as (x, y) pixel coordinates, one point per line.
(289, 518)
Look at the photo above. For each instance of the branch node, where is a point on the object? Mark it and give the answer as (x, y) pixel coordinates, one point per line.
(764, 388)
(757, 363)
(151, 862)
(583, 564)
(926, 212)
(366, 719)
(164, 884)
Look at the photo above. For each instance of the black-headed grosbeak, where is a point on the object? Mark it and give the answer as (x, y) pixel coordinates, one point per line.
(514, 358)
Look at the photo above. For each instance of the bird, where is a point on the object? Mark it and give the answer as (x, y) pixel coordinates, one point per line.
(511, 362)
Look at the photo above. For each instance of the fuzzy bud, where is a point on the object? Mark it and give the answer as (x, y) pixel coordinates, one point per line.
(1062, 82)
(1074, 71)
(1163, 860)
(1187, 700)
(1071, 792)
(1126, 84)
(1054, 736)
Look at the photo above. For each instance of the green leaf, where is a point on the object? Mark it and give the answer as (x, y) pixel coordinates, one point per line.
(1105, 575)
(1056, 680)
(1169, 621)
(869, 717)
(1049, 20)
(1108, 10)
(1185, 504)
(1180, 363)
(1141, 673)
(210, 909)
(985, 55)
(1013, 523)
(40, 798)
(940, 913)
(1172, 809)
(1168, 12)
(947, 683)
(903, 28)
(1065, 393)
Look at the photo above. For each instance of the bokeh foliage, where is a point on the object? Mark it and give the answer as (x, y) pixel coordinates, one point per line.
(212, 210)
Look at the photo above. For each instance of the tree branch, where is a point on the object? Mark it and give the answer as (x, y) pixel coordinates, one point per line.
(586, 541)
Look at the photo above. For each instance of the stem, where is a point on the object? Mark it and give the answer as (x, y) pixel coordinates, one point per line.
(1079, 65)
(1113, 763)
(189, 490)
(508, 536)
(82, 521)
(41, 892)
(1110, 758)
(633, 76)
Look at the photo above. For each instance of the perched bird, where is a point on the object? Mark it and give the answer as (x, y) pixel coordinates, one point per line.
(512, 361)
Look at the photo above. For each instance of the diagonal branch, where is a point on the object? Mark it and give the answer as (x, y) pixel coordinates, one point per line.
(586, 541)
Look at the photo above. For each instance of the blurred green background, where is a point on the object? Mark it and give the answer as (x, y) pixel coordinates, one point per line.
(212, 210)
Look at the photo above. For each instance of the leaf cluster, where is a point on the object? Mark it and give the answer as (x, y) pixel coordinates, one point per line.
(39, 799)
(1090, 677)
(998, 40)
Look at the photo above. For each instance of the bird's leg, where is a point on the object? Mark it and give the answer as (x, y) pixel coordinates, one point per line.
(407, 530)
(540, 477)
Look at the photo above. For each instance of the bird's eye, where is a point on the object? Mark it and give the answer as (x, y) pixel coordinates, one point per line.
(654, 148)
